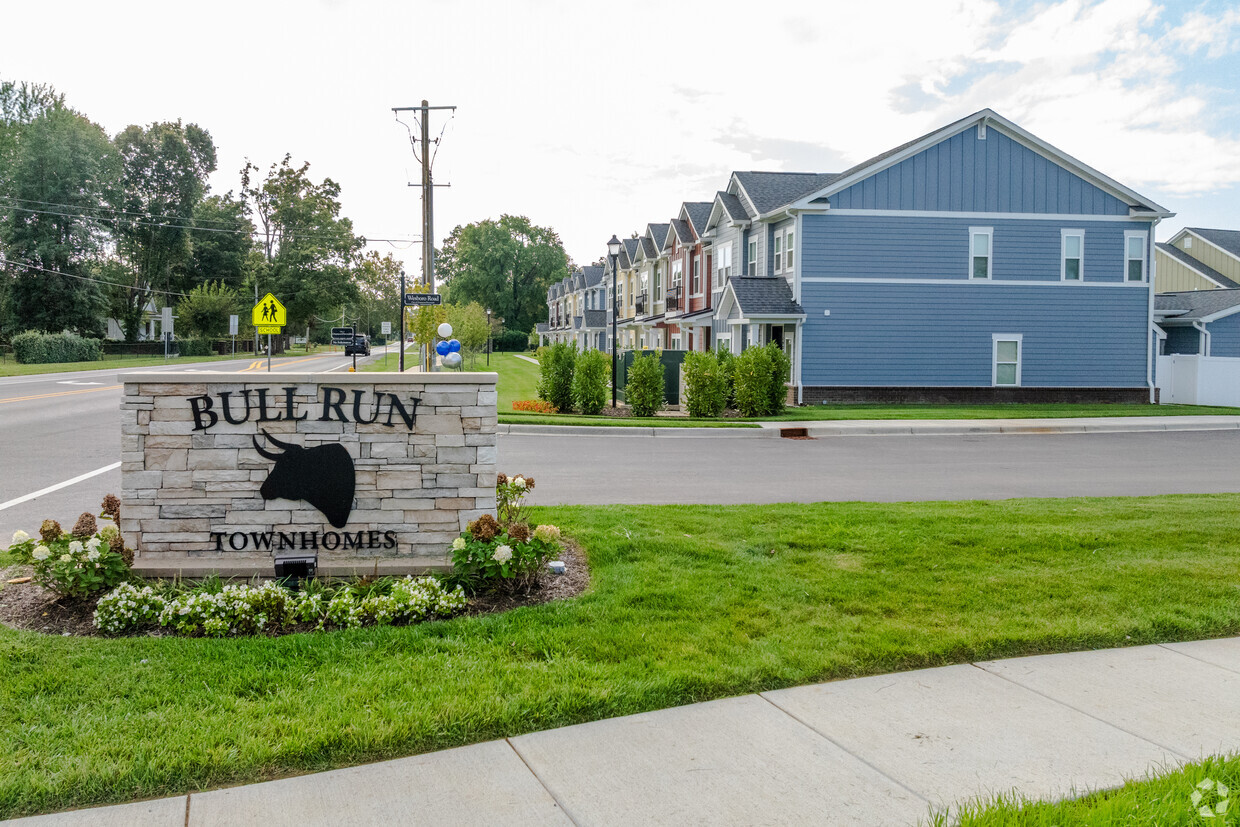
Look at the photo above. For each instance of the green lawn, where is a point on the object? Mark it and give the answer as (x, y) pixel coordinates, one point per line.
(12, 368)
(687, 603)
(1165, 801)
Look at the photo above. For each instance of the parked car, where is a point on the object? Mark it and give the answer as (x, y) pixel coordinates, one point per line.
(360, 347)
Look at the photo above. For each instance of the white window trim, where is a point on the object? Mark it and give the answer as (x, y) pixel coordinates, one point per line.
(995, 339)
(696, 259)
(1064, 235)
(989, 232)
(751, 259)
(789, 249)
(1145, 265)
(777, 252)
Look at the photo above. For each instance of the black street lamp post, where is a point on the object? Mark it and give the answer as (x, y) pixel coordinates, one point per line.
(613, 252)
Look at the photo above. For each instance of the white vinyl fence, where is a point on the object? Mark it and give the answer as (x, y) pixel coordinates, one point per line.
(1198, 380)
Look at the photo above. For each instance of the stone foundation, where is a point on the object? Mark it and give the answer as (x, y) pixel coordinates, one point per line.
(416, 462)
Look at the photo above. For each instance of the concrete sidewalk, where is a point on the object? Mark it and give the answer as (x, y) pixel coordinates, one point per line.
(905, 427)
(888, 749)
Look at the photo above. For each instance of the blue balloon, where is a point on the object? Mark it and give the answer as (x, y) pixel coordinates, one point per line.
(454, 345)
(443, 349)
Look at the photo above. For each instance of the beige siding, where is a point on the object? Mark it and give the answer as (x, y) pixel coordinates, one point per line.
(1212, 256)
(1171, 276)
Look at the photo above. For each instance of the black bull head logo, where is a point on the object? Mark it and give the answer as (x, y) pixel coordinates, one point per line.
(322, 476)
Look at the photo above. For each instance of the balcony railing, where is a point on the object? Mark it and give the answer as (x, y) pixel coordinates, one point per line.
(639, 304)
(673, 304)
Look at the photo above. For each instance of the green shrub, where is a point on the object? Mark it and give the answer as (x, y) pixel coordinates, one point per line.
(555, 365)
(590, 381)
(781, 372)
(727, 365)
(34, 348)
(194, 347)
(509, 561)
(77, 567)
(706, 388)
(752, 375)
(643, 389)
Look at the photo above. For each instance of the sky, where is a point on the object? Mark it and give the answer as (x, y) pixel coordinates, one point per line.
(596, 119)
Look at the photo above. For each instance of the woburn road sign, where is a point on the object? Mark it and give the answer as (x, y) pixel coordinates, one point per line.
(420, 299)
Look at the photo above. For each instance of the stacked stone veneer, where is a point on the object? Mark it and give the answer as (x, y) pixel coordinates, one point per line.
(181, 484)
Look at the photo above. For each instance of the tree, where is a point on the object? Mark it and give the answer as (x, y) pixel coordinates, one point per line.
(424, 321)
(506, 265)
(221, 241)
(378, 285)
(205, 311)
(163, 178)
(309, 248)
(61, 174)
(469, 326)
(20, 104)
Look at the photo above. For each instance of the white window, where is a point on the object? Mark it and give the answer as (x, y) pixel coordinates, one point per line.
(753, 258)
(1005, 368)
(696, 283)
(981, 243)
(1072, 257)
(676, 272)
(1134, 256)
(725, 263)
(779, 252)
(788, 250)
(675, 343)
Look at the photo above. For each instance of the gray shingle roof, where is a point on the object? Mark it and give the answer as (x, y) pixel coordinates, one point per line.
(1229, 240)
(1196, 304)
(683, 231)
(658, 232)
(771, 190)
(733, 206)
(593, 275)
(764, 296)
(699, 214)
(630, 247)
(596, 318)
(542, 327)
(1184, 258)
(648, 246)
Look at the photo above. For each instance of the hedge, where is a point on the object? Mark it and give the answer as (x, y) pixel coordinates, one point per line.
(34, 348)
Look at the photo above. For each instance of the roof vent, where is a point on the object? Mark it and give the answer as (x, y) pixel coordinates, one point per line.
(981, 130)
(1188, 242)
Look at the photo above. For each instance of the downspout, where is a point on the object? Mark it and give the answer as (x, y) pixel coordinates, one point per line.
(1150, 338)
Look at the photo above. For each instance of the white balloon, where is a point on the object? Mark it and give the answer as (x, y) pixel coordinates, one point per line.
(445, 330)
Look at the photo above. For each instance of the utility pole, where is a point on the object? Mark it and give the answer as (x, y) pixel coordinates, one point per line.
(428, 202)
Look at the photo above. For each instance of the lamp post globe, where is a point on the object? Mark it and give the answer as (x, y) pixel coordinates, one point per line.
(613, 254)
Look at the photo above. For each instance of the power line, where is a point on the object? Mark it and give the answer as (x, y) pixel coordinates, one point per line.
(30, 266)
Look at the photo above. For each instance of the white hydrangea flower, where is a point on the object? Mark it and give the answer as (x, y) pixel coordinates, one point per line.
(93, 544)
(93, 554)
(20, 536)
(519, 482)
(502, 554)
(458, 544)
(108, 532)
(66, 558)
(42, 553)
(75, 547)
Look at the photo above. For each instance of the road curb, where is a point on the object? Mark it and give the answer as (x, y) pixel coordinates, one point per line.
(620, 430)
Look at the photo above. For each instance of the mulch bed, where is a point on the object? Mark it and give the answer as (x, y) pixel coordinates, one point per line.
(29, 606)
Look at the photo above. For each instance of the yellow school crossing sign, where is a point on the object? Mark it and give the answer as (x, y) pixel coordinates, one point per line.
(269, 315)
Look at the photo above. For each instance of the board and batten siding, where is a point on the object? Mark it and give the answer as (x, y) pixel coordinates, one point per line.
(1212, 256)
(1173, 276)
(965, 173)
(917, 335)
(1225, 336)
(888, 247)
(1182, 340)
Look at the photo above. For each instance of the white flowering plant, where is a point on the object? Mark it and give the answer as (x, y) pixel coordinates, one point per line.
(22, 547)
(72, 566)
(210, 610)
(510, 494)
(506, 558)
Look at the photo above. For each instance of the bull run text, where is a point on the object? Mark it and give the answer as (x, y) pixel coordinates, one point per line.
(335, 408)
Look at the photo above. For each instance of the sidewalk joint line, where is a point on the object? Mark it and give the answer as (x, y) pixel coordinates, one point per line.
(1199, 660)
(1067, 705)
(849, 752)
(543, 784)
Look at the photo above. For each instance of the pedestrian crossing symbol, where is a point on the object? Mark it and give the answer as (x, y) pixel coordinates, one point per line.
(268, 314)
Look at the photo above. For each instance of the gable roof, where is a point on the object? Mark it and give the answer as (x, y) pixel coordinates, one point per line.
(592, 275)
(657, 233)
(1196, 305)
(697, 213)
(1228, 240)
(1195, 265)
(768, 191)
(763, 296)
(991, 118)
(684, 233)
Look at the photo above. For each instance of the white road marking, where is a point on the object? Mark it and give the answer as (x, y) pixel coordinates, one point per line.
(71, 382)
(60, 485)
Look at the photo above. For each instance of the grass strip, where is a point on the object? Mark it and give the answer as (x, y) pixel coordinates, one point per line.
(687, 603)
(1163, 800)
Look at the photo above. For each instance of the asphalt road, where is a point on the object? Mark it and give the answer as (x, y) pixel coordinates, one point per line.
(57, 427)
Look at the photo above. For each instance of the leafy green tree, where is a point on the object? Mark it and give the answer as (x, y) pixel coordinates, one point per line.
(469, 326)
(20, 104)
(163, 178)
(378, 285)
(309, 248)
(61, 174)
(221, 242)
(205, 311)
(506, 265)
(424, 321)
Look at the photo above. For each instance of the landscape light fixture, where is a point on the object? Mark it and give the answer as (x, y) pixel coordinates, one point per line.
(613, 253)
(296, 566)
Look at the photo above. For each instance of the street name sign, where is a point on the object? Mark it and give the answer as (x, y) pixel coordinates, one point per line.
(421, 299)
(342, 335)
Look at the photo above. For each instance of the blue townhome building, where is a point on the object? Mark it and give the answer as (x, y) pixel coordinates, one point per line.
(975, 263)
